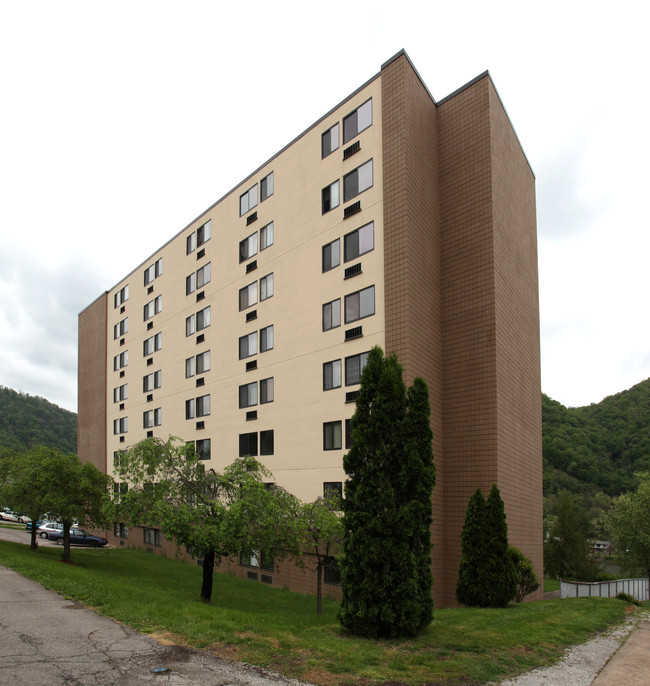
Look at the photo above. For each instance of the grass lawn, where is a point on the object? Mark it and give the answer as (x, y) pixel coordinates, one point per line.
(280, 630)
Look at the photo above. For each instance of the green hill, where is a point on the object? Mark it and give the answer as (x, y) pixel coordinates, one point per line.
(27, 420)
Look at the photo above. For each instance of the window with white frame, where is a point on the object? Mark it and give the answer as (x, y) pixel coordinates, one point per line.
(359, 242)
(248, 345)
(266, 287)
(266, 236)
(357, 181)
(331, 196)
(331, 375)
(331, 255)
(360, 304)
(357, 121)
(332, 314)
(330, 140)
(248, 296)
(266, 338)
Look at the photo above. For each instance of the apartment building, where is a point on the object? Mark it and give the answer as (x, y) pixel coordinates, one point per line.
(395, 221)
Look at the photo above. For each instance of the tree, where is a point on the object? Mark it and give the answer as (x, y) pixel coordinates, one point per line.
(323, 536)
(215, 514)
(628, 523)
(566, 550)
(386, 563)
(486, 575)
(527, 581)
(78, 493)
(469, 582)
(25, 483)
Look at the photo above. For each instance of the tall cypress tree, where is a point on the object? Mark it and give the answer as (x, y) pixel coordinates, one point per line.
(386, 564)
(469, 583)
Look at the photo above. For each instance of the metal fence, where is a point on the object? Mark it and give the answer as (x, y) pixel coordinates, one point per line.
(637, 588)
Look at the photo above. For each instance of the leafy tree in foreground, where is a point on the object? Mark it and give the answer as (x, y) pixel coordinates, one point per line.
(386, 564)
(323, 535)
(469, 582)
(25, 482)
(215, 514)
(628, 522)
(566, 550)
(77, 493)
(527, 581)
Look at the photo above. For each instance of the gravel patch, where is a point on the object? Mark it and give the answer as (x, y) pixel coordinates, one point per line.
(581, 664)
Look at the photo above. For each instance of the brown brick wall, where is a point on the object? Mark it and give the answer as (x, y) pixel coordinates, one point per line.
(91, 400)
(412, 254)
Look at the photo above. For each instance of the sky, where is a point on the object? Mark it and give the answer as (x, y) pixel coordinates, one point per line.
(120, 122)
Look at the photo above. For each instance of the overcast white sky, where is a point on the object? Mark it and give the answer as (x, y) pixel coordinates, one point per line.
(120, 122)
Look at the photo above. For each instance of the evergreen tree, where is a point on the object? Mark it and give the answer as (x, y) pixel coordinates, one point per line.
(468, 583)
(386, 563)
(499, 578)
(527, 581)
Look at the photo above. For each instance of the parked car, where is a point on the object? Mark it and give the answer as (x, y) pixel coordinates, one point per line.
(47, 528)
(10, 516)
(40, 522)
(78, 537)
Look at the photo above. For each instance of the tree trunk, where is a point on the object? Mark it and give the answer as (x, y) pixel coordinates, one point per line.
(319, 587)
(32, 536)
(208, 573)
(66, 542)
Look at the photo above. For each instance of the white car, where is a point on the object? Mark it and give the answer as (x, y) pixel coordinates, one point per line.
(9, 516)
(44, 530)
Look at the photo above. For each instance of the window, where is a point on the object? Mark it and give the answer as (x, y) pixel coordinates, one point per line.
(248, 395)
(152, 537)
(266, 187)
(248, 247)
(203, 449)
(120, 530)
(329, 141)
(248, 296)
(203, 275)
(357, 121)
(333, 489)
(121, 360)
(332, 314)
(266, 442)
(122, 296)
(266, 338)
(153, 272)
(248, 200)
(332, 436)
(264, 561)
(248, 345)
(190, 367)
(360, 304)
(266, 236)
(203, 362)
(248, 445)
(203, 318)
(353, 367)
(151, 381)
(152, 418)
(190, 283)
(190, 325)
(190, 409)
(121, 426)
(203, 406)
(357, 181)
(266, 287)
(121, 328)
(331, 375)
(152, 344)
(266, 391)
(121, 393)
(359, 242)
(331, 255)
(199, 237)
(152, 307)
(331, 197)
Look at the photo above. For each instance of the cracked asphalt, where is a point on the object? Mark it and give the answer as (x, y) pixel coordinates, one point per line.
(46, 640)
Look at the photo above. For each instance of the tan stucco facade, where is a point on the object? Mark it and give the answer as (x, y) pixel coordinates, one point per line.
(450, 284)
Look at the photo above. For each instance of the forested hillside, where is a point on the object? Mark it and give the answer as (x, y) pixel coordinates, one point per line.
(27, 420)
(593, 451)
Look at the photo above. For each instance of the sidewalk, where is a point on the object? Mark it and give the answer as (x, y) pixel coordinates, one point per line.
(630, 665)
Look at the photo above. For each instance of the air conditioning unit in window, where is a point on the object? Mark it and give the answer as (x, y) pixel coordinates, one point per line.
(352, 209)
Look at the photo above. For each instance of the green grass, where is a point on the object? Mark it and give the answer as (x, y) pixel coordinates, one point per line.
(551, 584)
(280, 630)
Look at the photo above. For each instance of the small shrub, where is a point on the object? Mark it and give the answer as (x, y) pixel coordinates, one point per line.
(627, 598)
(527, 580)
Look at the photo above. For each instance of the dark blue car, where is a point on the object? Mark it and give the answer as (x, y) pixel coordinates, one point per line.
(79, 537)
